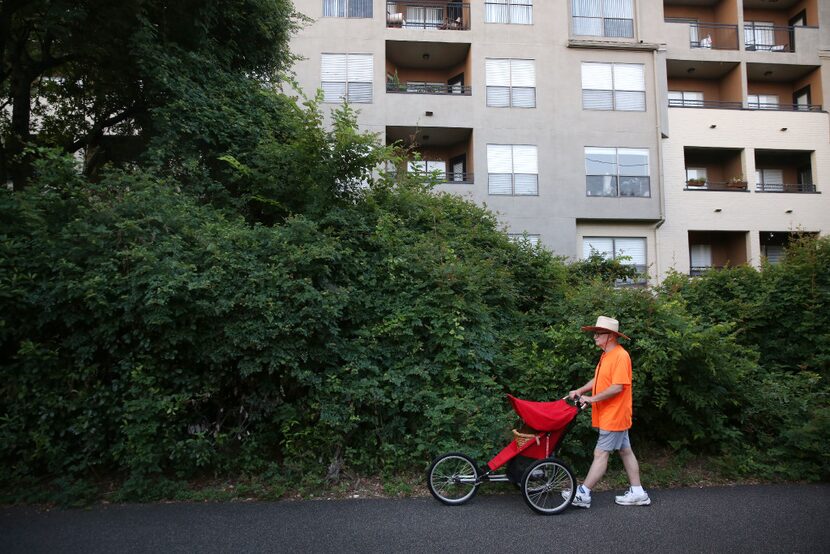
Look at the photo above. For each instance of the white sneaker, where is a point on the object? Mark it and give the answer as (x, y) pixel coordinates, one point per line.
(580, 500)
(633, 499)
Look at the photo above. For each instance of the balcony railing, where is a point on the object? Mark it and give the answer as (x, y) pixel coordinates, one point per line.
(603, 26)
(769, 38)
(784, 107)
(714, 36)
(697, 271)
(428, 88)
(734, 186)
(426, 14)
(450, 177)
(785, 187)
(717, 104)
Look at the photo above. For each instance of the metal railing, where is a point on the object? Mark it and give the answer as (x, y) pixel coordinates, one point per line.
(785, 187)
(769, 38)
(697, 271)
(717, 104)
(603, 26)
(428, 14)
(450, 177)
(715, 36)
(734, 186)
(784, 107)
(428, 88)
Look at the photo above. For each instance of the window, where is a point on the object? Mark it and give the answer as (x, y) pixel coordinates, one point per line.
(519, 12)
(603, 18)
(801, 99)
(347, 77)
(424, 17)
(631, 250)
(428, 167)
(613, 86)
(684, 98)
(700, 256)
(512, 169)
(347, 8)
(762, 101)
(770, 180)
(617, 172)
(696, 176)
(520, 238)
(759, 35)
(511, 83)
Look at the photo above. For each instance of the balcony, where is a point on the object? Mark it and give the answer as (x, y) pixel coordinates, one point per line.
(444, 153)
(783, 87)
(784, 171)
(714, 169)
(716, 250)
(427, 14)
(704, 84)
(763, 37)
(419, 68)
(713, 36)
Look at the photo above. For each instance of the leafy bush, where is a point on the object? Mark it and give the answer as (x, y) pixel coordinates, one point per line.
(148, 334)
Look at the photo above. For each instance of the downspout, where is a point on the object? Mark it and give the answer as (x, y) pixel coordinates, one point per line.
(659, 134)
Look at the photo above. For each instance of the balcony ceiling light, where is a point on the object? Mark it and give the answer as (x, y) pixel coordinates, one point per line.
(690, 70)
(767, 73)
(426, 56)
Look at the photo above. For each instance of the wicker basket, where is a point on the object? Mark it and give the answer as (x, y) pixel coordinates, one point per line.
(522, 438)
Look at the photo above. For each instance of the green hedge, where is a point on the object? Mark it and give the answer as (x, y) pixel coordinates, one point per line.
(147, 335)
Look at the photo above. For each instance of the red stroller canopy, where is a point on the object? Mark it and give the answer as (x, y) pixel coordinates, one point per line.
(544, 416)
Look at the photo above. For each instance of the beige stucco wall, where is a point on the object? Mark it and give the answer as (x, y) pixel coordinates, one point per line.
(750, 212)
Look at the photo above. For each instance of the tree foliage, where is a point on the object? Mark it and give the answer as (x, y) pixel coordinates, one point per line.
(109, 78)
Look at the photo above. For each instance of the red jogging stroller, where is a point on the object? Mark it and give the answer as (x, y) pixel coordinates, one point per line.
(547, 483)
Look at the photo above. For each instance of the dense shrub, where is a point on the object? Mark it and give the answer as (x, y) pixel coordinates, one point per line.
(147, 334)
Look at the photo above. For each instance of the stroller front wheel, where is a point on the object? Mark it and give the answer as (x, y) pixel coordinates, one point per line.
(453, 478)
(548, 486)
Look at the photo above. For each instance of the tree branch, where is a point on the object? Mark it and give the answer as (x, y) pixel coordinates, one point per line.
(99, 127)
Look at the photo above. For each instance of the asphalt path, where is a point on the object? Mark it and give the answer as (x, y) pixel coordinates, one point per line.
(757, 519)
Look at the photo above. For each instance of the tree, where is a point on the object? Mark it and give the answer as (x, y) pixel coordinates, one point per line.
(92, 75)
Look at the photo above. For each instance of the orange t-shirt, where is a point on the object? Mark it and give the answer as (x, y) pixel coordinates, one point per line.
(613, 414)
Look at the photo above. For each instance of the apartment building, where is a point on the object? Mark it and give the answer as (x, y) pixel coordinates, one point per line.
(608, 125)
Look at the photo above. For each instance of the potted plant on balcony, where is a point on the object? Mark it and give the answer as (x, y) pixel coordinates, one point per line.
(737, 182)
(394, 84)
(696, 182)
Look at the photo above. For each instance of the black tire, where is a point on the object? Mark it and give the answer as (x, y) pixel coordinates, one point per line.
(453, 478)
(548, 486)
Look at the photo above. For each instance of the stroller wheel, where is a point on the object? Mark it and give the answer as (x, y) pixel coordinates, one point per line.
(453, 478)
(548, 486)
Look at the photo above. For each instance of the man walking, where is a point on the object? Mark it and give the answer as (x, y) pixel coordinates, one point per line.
(611, 410)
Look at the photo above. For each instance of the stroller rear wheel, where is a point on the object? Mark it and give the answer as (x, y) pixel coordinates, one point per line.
(548, 486)
(453, 478)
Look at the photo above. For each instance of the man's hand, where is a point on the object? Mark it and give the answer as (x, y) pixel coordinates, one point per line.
(573, 394)
(587, 400)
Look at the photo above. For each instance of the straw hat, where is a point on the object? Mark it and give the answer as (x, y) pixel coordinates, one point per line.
(605, 325)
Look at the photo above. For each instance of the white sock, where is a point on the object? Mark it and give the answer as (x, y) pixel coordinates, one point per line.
(584, 490)
(637, 490)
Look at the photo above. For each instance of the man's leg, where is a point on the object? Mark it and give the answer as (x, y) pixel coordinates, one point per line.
(635, 496)
(598, 467)
(632, 467)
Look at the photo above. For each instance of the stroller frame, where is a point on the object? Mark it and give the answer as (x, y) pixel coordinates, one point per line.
(547, 483)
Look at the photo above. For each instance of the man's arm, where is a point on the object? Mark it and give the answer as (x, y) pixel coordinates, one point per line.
(612, 390)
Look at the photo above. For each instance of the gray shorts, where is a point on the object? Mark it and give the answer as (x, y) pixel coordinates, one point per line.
(613, 440)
